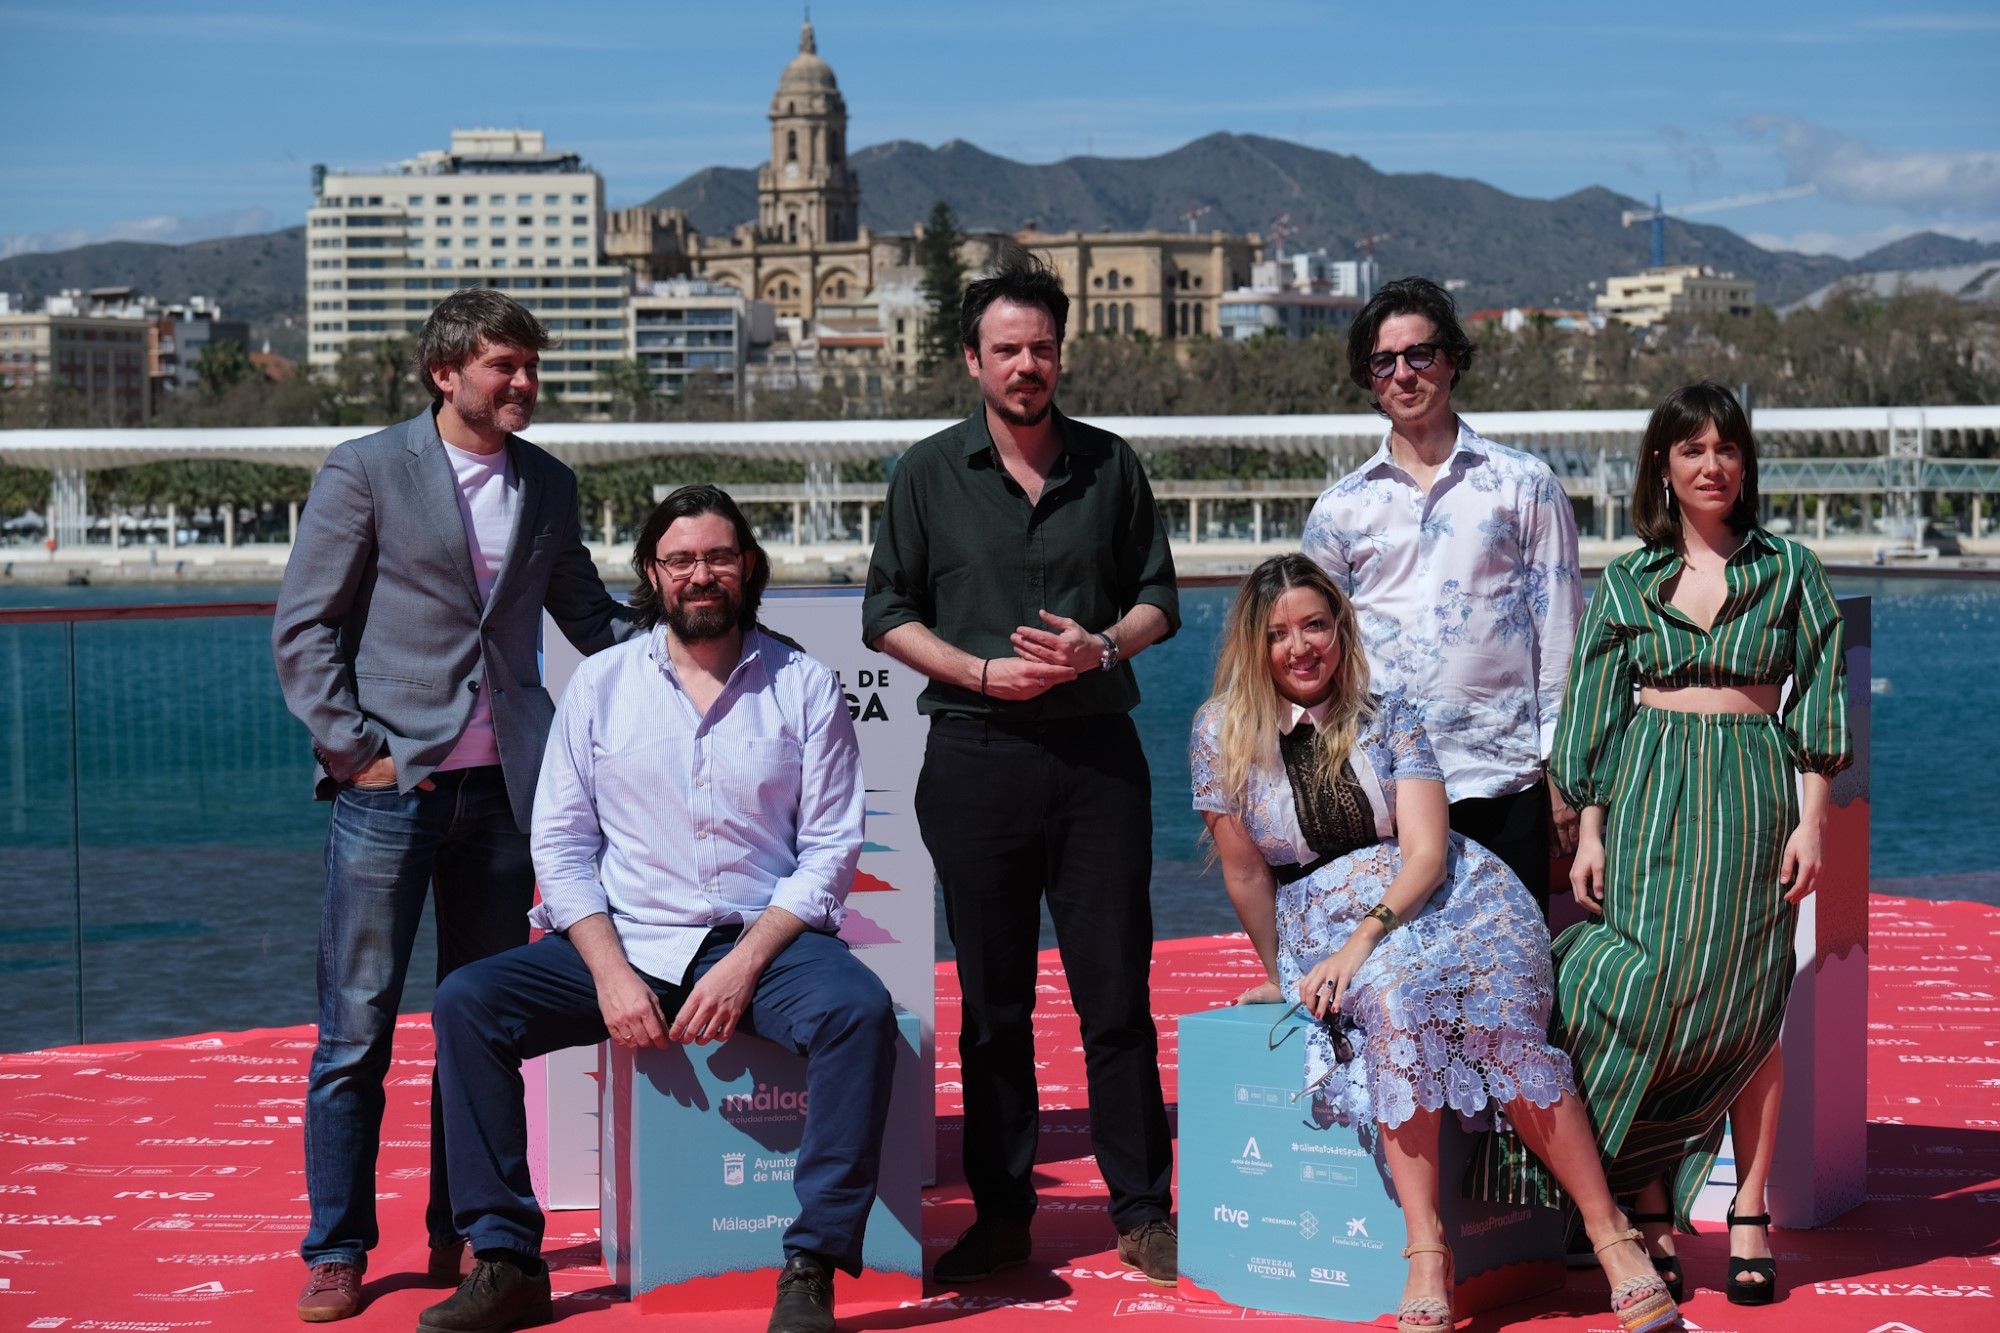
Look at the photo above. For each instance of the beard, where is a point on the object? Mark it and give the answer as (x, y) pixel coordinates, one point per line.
(1013, 417)
(485, 414)
(710, 620)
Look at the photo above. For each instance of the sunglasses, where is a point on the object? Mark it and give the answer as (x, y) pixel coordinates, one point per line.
(1339, 1027)
(1418, 356)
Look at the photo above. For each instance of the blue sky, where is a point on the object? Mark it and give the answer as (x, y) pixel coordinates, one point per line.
(173, 122)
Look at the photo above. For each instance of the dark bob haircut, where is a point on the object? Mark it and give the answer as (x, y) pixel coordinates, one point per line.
(466, 321)
(1681, 416)
(690, 502)
(1021, 278)
(1406, 296)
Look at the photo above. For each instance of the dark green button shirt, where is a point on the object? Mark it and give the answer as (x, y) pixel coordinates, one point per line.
(961, 551)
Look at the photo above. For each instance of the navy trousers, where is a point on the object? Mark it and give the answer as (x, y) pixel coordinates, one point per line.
(814, 999)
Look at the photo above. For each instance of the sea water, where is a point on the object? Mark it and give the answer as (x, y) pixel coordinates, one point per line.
(197, 846)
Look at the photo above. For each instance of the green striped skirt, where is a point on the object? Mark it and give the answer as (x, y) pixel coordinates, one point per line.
(1670, 1001)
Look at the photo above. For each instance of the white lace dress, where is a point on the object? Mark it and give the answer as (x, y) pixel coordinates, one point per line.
(1452, 1008)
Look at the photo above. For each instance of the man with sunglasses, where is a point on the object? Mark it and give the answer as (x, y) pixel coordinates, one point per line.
(696, 831)
(1460, 555)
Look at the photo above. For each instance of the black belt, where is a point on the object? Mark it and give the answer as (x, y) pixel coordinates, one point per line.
(1291, 872)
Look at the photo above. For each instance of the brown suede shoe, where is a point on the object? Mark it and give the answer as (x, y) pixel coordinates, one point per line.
(1154, 1248)
(332, 1291)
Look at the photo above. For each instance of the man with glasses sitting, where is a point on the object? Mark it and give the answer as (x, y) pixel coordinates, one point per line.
(696, 831)
(1460, 555)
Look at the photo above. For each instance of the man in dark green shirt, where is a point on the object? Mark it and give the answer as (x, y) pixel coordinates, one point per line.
(1020, 564)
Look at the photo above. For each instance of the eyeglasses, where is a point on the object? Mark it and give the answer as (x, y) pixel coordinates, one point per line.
(1418, 356)
(722, 560)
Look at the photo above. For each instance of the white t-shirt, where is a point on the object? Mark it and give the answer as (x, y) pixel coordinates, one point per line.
(488, 492)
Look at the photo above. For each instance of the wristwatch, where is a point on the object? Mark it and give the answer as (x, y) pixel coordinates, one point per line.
(1109, 657)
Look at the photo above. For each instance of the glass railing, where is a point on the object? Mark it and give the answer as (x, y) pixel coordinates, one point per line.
(160, 849)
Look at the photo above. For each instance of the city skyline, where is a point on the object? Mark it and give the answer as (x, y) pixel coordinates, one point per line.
(179, 126)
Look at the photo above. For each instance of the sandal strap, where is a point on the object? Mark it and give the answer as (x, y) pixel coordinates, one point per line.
(1634, 1288)
(1426, 1247)
(1753, 1220)
(1629, 1233)
(1429, 1305)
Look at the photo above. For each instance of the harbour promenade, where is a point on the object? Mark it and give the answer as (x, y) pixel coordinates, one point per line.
(157, 1185)
(1902, 482)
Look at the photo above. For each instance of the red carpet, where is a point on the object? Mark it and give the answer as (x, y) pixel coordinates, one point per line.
(158, 1186)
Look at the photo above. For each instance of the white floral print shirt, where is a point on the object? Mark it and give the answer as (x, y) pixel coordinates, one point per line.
(1468, 600)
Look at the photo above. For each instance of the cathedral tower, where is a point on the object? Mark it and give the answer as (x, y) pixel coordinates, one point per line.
(807, 194)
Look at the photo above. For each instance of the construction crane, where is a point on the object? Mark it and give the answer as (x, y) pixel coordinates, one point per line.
(1280, 228)
(1658, 214)
(1367, 243)
(1196, 214)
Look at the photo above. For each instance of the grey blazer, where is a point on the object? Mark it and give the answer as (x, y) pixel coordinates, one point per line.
(381, 642)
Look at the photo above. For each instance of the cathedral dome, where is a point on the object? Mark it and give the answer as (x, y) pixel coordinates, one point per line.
(807, 73)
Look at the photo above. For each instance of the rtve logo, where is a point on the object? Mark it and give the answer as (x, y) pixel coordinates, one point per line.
(1236, 1217)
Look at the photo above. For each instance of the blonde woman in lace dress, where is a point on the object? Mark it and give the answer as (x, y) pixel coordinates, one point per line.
(1422, 955)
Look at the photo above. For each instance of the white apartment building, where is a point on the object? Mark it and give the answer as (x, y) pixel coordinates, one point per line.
(1315, 271)
(1644, 298)
(692, 335)
(497, 209)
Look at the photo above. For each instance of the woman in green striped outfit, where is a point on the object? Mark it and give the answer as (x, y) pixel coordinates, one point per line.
(1695, 847)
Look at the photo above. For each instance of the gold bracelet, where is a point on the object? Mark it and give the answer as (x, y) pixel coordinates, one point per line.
(1386, 915)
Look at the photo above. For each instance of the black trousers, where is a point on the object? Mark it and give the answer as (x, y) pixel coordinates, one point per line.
(1515, 828)
(1010, 814)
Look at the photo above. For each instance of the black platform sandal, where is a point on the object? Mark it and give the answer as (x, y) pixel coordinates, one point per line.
(1668, 1266)
(1751, 1293)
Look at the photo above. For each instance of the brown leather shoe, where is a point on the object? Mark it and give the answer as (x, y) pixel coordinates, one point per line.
(449, 1264)
(1154, 1248)
(332, 1291)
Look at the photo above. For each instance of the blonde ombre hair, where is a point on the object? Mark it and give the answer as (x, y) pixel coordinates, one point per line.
(1250, 704)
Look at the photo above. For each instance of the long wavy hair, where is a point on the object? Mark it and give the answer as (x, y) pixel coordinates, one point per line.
(1250, 703)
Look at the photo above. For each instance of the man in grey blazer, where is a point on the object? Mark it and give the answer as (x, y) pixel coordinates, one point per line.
(406, 640)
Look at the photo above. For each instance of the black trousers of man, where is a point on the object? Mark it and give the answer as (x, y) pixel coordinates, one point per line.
(1516, 828)
(1012, 813)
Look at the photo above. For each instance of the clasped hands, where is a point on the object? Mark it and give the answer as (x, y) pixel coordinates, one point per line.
(1043, 658)
(714, 1007)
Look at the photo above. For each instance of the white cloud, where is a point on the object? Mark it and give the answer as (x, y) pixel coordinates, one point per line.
(1849, 171)
(163, 229)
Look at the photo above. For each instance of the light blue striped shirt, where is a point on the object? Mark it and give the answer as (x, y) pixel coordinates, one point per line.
(673, 823)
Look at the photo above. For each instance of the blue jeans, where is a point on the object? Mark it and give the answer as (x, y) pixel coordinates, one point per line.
(814, 999)
(385, 852)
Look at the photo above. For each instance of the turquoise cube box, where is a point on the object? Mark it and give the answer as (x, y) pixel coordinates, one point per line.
(698, 1146)
(1279, 1215)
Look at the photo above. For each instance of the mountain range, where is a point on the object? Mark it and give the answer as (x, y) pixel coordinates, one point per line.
(1504, 249)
